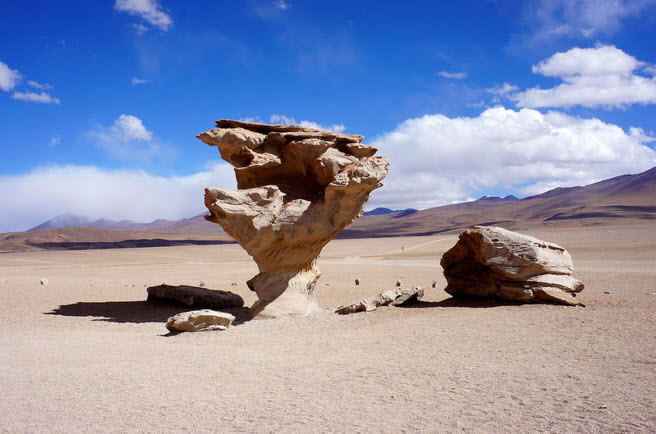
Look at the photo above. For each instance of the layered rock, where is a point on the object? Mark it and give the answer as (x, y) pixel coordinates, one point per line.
(495, 262)
(195, 296)
(297, 188)
(195, 320)
(393, 297)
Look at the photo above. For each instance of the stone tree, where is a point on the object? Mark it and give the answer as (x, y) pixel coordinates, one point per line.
(297, 188)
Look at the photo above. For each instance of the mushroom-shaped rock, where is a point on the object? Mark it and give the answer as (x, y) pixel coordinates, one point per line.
(297, 189)
(495, 262)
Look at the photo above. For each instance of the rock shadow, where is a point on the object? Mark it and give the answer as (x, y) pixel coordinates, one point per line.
(137, 312)
(470, 302)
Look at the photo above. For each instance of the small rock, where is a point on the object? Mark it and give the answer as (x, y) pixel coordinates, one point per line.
(327, 284)
(434, 284)
(395, 297)
(44, 282)
(398, 283)
(204, 319)
(606, 292)
(651, 293)
(357, 281)
(234, 284)
(202, 284)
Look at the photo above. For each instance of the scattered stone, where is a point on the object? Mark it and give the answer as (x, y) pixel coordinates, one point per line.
(234, 284)
(44, 281)
(201, 284)
(495, 262)
(195, 296)
(398, 283)
(395, 297)
(297, 189)
(434, 284)
(357, 281)
(606, 292)
(651, 293)
(195, 320)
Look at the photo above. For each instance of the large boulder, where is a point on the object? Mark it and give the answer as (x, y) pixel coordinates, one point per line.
(195, 296)
(498, 263)
(297, 189)
(195, 320)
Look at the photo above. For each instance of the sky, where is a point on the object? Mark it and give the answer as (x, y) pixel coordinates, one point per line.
(100, 101)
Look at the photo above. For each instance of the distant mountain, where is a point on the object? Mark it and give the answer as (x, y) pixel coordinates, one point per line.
(64, 221)
(623, 199)
(384, 211)
(626, 198)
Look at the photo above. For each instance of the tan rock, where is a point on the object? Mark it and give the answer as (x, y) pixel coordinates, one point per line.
(195, 296)
(394, 297)
(204, 319)
(495, 262)
(298, 187)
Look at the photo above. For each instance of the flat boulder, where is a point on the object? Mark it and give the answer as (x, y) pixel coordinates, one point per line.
(195, 320)
(394, 297)
(195, 296)
(497, 263)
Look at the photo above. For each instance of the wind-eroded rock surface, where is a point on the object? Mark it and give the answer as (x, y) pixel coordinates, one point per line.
(498, 263)
(298, 187)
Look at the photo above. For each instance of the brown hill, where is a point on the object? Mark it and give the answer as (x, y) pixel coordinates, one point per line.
(626, 198)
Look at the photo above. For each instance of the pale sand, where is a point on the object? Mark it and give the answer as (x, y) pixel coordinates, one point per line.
(103, 363)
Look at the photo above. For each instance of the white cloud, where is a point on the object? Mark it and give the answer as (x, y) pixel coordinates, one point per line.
(38, 85)
(600, 76)
(9, 78)
(126, 138)
(287, 120)
(453, 75)
(504, 89)
(281, 4)
(437, 160)
(136, 81)
(148, 10)
(582, 18)
(54, 140)
(42, 97)
(32, 198)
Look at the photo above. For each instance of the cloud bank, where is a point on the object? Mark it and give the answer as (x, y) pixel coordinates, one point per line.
(32, 198)
(9, 78)
(437, 160)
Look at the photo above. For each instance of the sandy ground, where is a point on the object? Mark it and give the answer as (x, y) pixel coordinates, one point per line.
(87, 353)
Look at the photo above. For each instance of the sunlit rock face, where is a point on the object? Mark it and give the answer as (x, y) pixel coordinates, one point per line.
(298, 187)
(493, 262)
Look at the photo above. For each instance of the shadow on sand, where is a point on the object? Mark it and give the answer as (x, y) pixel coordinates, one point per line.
(470, 302)
(137, 311)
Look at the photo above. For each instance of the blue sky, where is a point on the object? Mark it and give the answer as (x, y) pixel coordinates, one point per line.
(100, 101)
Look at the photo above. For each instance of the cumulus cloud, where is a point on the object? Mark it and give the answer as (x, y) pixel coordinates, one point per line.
(41, 97)
(148, 10)
(437, 160)
(288, 120)
(453, 75)
(9, 78)
(136, 81)
(32, 198)
(54, 140)
(582, 18)
(592, 77)
(126, 138)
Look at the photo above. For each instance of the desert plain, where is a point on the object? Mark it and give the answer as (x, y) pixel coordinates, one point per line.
(87, 352)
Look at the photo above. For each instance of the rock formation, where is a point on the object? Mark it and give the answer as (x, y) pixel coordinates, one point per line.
(204, 319)
(394, 297)
(498, 263)
(297, 188)
(195, 296)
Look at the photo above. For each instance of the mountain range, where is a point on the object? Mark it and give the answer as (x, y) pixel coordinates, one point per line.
(618, 200)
